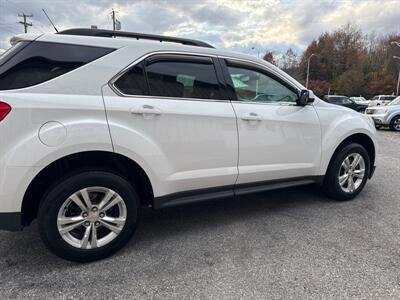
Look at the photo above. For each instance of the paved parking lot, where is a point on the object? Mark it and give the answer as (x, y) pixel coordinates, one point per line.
(292, 243)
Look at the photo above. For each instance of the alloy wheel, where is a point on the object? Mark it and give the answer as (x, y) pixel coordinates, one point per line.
(352, 172)
(91, 218)
(396, 124)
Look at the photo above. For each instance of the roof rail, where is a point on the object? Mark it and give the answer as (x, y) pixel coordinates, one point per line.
(138, 36)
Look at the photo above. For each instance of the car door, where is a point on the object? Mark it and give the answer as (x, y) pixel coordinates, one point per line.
(170, 114)
(277, 138)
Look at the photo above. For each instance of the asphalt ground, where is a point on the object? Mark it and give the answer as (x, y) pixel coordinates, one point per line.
(285, 244)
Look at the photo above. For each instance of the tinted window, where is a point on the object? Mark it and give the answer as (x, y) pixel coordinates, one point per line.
(38, 62)
(251, 85)
(183, 79)
(390, 98)
(133, 82)
(346, 100)
(339, 100)
(335, 100)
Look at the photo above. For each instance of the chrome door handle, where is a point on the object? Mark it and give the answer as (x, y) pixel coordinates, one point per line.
(251, 117)
(146, 110)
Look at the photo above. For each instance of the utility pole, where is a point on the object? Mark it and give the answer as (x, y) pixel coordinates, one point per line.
(26, 24)
(308, 68)
(113, 19)
(398, 78)
(397, 57)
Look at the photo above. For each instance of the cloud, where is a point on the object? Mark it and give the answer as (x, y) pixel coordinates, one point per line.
(238, 25)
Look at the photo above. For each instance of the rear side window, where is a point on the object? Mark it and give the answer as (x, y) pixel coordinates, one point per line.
(183, 79)
(177, 76)
(37, 62)
(133, 82)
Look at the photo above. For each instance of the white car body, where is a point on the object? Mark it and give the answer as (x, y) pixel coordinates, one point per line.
(192, 145)
(387, 115)
(381, 100)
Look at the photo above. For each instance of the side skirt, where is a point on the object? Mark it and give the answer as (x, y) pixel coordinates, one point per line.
(229, 191)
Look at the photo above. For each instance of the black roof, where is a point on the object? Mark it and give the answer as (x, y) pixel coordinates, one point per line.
(135, 35)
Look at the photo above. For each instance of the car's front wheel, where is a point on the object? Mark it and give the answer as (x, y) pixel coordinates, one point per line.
(88, 216)
(395, 123)
(347, 172)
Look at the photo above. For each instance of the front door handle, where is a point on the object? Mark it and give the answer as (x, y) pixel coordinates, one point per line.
(251, 117)
(146, 110)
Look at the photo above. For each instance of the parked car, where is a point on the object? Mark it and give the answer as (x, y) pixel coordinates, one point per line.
(346, 102)
(94, 127)
(381, 100)
(386, 116)
(360, 100)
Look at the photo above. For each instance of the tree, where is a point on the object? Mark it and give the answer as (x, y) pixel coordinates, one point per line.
(290, 63)
(319, 87)
(350, 83)
(351, 62)
(269, 57)
(336, 53)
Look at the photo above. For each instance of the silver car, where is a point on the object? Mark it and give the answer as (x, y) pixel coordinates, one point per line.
(386, 115)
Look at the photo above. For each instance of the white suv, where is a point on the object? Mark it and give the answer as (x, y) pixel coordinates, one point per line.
(94, 127)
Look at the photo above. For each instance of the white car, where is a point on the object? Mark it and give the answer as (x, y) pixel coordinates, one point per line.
(94, 127)
(381, 100)
(388, 115)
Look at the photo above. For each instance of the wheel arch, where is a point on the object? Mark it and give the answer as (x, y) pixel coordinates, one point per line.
(362, 139)
(392, 117)
(96, 160)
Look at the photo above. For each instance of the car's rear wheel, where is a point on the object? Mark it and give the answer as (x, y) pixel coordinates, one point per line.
(395, 123)
(88, 216)
(347, 172)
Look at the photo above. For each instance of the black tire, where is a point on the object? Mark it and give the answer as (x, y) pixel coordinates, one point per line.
(378, 126)
(331, 184)
(392, 123)
(61, 191)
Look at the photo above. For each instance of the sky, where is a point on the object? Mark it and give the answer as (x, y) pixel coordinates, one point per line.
(247, 26)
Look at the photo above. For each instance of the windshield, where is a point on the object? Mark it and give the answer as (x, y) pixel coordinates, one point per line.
(375, 98)
(395, 101)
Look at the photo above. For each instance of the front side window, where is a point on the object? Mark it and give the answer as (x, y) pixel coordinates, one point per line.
(35, 62)
(252, 85)
(183, 79)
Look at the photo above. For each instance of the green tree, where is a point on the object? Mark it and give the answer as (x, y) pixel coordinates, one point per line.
(350, 83)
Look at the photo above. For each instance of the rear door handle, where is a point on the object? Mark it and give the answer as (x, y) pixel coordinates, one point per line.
(146, 110)
(251, 117)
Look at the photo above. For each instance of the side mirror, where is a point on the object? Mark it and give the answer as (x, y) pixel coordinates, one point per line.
(311, 96)
(306, 96)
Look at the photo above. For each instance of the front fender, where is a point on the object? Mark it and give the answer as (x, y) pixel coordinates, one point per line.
(338, 124)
